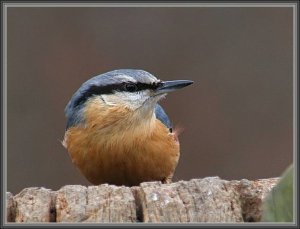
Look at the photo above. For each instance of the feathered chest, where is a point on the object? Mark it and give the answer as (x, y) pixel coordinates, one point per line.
(120, 147)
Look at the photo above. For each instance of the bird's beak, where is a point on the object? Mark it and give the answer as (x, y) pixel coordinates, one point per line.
(169, 86)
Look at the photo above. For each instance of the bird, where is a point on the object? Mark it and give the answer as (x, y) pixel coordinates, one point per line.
(116, 131)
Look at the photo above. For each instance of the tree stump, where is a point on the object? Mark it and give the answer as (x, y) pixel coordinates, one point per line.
(209, 199)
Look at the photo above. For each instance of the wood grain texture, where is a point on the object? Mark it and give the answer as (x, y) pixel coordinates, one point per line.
(10, 207)
(205, 200)
(105, 203)
(35, 205)
(209, 199)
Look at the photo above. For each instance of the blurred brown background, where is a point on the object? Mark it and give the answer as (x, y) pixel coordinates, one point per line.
(237, 117)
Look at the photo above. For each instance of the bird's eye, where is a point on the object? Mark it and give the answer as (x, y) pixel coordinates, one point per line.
(130, 87)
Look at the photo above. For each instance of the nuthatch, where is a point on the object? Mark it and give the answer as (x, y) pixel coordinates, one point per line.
(117, 133)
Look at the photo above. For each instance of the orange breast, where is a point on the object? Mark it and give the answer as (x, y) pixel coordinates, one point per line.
(110, 152)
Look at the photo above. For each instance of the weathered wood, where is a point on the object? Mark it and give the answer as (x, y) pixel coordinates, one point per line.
(251, 195)
(35, 205)
(199, 200)
(104, 203)
(202, 200)
(10, 207)
(109, 203)
(71, 203)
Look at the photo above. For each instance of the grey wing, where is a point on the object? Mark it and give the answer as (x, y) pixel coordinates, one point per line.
(163, 117)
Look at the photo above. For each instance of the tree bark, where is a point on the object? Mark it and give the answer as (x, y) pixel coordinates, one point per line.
(199, 200)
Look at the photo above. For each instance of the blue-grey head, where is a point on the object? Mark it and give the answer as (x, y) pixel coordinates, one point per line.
(135, 89)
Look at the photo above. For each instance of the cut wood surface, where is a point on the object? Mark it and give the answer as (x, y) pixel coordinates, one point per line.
(209, 199)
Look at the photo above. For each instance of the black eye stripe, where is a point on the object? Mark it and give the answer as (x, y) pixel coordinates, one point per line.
(144, 86)
(109, 89)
